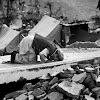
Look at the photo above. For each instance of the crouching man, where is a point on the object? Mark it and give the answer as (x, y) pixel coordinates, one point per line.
(46, 49)
(30, 47)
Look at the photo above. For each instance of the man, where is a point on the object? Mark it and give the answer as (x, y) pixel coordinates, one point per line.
(46, 49)
(43, 47)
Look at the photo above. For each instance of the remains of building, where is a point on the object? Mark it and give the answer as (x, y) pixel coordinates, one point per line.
(75, 78)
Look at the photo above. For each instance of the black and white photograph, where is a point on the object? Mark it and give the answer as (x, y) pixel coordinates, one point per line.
(49, 49)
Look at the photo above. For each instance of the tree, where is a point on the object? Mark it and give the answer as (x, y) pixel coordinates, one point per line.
(98, 6)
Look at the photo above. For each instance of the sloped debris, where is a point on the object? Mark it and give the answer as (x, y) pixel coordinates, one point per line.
(79, 82)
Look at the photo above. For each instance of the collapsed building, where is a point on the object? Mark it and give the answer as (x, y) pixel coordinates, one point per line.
(61, 34)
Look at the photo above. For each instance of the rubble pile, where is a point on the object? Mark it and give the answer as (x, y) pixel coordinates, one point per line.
(80, 81)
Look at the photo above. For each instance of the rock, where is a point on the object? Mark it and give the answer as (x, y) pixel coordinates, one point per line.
(12, 95)
(98, 96)
(21, 97)
(30, 97)
(37, 85)
(98, 81)
(87, 97)
(79, 77)
(86, 92)
(89, 69)
(54, 96)
(38, 93)
(66, 75)
(53, 81)
(96, 89)
(45, 85)
(28, 86)
(71, 89)
(89, 82)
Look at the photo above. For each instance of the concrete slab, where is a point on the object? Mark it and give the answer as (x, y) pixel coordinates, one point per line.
(13, 72)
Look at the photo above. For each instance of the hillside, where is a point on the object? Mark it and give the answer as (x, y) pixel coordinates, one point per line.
(81, 9)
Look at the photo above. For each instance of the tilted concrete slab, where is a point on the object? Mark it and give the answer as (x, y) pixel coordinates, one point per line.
(7, 37)
(14, 72)
(45, 26)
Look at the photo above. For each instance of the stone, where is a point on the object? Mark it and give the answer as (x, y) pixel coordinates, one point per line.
(98, 96)
(53, 81)
(21, 97)
(86, 92)
(98, 81)
(87, 97)
(45, 84)
(89, 82)
(38, 93)
(71, 89)
(30, 97)
(79, 77)
(66, 75)
(28, 86)
(12, 95)
(53, 96)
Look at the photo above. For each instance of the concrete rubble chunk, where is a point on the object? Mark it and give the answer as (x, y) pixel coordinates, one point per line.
(89, 81)
(38, 93)
(53, 96)
(87, 97)
(98, 81)
(79, 77)
(71, 89)
(12, 95)
(86, 92)
(21, 97)
(30, 97)
(53, 81)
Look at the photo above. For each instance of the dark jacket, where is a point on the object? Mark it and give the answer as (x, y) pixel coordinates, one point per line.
(40, 43)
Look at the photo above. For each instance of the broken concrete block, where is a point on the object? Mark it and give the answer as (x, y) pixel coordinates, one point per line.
(8, 99)
(79, 77)
(98, 81)
(53, 81)
(71, 89)
(66, 75)
(86, 92)
(45, 85)
(87, 97)
(12, 95)
(37, 85)
(30, 97)
(27, 86)
(21, 97)
(89, 69)
(53, 96)
(38, 93)
(96, 89)
(89, 82)
(98, 96)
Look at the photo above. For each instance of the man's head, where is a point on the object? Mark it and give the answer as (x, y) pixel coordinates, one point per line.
(57, 55)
